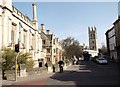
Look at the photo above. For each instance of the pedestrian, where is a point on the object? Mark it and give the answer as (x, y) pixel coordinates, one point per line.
(46, 64)
(75, 60)
(53, 68)
(61, 64)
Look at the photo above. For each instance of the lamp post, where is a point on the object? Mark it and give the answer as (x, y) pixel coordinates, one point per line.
(16, 66)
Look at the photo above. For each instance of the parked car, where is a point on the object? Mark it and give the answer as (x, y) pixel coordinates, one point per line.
(101, 60)
(94, 59)
(109, 59)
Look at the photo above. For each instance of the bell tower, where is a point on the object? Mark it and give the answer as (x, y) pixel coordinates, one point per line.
(93, 45)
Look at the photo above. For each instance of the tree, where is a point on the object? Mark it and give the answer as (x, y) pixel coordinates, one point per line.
(71, 47)
(25, 58)
(8, 60)
(103, 50)
(9, 56)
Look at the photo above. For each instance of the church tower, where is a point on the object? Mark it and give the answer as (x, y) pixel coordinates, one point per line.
(93, 45)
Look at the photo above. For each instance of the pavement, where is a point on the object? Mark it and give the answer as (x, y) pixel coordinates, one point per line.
(27, 78)
(31, 77)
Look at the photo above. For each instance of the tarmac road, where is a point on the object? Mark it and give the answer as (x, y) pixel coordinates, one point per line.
(85, 73)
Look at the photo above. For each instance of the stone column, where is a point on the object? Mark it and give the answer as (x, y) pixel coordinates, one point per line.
(27, 38)
(5, 30)
(17, 34)
(0, 46)
(0, 28)
(9, 31)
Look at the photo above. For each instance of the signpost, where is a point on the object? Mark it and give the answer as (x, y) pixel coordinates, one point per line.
(16, 65)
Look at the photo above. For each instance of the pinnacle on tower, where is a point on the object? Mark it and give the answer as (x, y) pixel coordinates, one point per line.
(89, 29)
(92, 28)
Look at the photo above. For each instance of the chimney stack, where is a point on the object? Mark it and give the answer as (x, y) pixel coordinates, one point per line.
(42, 27)
(48, 31)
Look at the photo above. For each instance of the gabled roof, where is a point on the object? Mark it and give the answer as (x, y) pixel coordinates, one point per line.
(117, 21)
(44, 36)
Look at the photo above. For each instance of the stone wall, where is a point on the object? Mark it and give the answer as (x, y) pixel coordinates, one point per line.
(11, 73)
(36, 71)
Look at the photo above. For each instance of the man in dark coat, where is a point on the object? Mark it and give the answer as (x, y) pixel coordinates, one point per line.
(61, 64)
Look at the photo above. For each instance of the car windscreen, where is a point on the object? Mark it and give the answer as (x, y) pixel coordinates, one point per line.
(101, 59)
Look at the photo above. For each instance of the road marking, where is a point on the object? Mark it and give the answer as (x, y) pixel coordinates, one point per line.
(84, 71)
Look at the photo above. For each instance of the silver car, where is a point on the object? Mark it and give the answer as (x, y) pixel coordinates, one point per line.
(101, 60)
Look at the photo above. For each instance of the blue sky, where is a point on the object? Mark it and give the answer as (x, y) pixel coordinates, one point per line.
(66, 19)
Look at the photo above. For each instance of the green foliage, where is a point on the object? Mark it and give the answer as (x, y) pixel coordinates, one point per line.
(26, 58)
(29, 64)
(71, 48)
(8, 59)
(23, 58)
(66, 61)
(103, 50)
(9, 56)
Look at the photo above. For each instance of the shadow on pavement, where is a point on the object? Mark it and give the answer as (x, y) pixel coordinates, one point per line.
(89, 74)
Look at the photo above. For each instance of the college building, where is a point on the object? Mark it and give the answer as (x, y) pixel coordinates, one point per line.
(15, 27)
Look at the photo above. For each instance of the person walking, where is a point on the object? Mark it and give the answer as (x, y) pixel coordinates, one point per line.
(61, 64)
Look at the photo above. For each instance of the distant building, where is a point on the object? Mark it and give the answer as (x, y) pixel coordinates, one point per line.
(92, 52)
(93, 44)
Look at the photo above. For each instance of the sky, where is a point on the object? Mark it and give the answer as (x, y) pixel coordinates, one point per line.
(72, 19)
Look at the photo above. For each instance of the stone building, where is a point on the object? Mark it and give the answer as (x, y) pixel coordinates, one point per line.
(117, 37)
(51, 45)
(1, 6)
(111, 42)
(113, 37)
(17, 28)
(93, 45)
